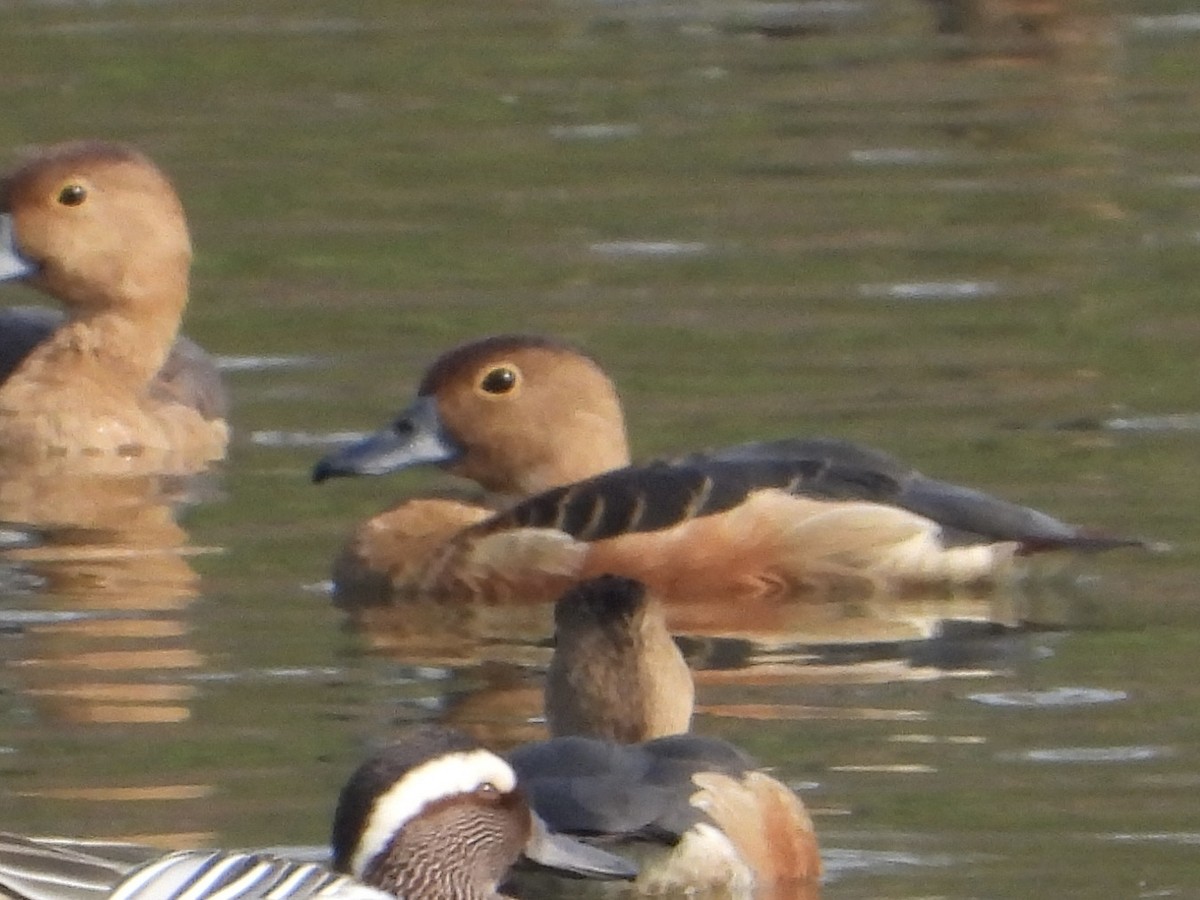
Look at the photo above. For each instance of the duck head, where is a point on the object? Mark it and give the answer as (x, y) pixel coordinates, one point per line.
(516, 414)
(437, 809)
(98, 226)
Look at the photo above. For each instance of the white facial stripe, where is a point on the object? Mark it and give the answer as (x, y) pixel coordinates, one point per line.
(445, 776)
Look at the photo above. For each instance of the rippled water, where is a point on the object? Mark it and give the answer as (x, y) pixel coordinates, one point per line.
(972, 247)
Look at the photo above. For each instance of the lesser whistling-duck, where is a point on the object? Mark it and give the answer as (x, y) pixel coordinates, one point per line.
(109, 387)
(536, 420)
(697, 812)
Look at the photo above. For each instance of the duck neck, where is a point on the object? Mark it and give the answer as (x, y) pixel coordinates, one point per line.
(627, 686)
(126, 345)
(669, 689)
(595, 695)
(421, 869)
(595, 446)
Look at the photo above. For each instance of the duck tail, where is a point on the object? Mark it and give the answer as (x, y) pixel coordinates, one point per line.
(973, 516)
(765, 821)
(889, 545)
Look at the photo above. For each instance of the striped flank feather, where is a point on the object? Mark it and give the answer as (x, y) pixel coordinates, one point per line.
(37, 870)
(33, 870)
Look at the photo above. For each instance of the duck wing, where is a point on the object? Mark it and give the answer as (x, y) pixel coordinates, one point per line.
(586, 786)
(188, 377)
(52, 870)
(663, 494)
(22, 328)
(966, 515)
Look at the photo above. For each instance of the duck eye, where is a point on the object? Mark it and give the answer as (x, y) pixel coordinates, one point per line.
(499, 380)
(72, 195)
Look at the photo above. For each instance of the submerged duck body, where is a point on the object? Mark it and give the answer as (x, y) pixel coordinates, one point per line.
(535, 420)
(433, 816)
(101, 229)
(697, 811)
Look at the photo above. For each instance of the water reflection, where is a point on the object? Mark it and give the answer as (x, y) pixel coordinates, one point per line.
(1023, 244)
(1007, 30)
(944, 629)
(101, 616)
(434, 632)
(486, 662)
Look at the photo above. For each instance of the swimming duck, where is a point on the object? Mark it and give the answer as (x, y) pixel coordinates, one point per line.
(619, 701)
(533, 419)
(616, 672)
(98, 227)
(433, 816)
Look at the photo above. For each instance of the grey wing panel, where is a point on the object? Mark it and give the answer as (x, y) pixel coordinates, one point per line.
(586, 786)
(592, 787)
(575, 756)
(698, 753)
(831, 450)
(37, 870)
(190, 377)
(968, 514)
(598, 805)
(21, 329)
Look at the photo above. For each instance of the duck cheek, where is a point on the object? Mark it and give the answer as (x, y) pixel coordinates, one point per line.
(500, 839)
(84, 290)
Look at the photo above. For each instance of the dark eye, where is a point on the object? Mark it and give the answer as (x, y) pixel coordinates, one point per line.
(72, 195)
(500, 380)
(488, 790)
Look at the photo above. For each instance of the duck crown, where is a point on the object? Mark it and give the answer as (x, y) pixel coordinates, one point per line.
(605, 602)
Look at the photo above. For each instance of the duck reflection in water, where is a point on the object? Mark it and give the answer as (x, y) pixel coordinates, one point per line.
(102, 637)
(107, 579)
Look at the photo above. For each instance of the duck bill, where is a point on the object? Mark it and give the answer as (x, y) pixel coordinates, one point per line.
(12, 264)
(416, 438)
(566, 854)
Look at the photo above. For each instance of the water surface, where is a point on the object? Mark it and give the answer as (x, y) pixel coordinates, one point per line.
(973, 247)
